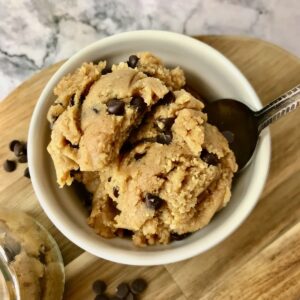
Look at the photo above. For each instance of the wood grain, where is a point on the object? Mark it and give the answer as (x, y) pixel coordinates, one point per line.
(261, 260)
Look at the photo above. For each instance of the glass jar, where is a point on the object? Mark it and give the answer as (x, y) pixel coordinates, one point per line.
(31, 266)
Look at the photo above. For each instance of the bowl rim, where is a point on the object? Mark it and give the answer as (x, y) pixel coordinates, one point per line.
(130, 257)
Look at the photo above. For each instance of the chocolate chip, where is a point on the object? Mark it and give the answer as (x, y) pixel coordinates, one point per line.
(130, 296)
(22, 159)
(19, 149)
(167, 122)
(26, 173)
(132, 61)
(153, 201)
(9, 165)
(168, 98)
(122, 290)
(115, 107)
(138, 285)
(138, 103)
(106, 71)
(138, 156)
(109, 179)
(209, 158)
(178, 237)
(72, 100)
(116, 191)
(164, 138)
(12, 144)
(102, 297)
(96, 110)
(99, 287)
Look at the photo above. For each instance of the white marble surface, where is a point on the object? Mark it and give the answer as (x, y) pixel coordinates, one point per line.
(36, 33)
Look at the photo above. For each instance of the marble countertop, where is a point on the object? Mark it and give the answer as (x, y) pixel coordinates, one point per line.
(37, 33)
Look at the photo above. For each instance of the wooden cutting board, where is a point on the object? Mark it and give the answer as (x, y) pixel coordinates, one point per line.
(261, 260)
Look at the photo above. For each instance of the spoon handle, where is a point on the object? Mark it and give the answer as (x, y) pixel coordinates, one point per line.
(278, 108)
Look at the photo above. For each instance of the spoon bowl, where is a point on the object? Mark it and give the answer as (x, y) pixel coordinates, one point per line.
(237, 123)
(242, 126)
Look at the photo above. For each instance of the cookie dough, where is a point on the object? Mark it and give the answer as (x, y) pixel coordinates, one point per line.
(32, 255)
(156, 168)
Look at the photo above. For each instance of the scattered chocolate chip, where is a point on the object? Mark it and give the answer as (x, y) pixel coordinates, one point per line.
(130, 296)
(19, 149)
(99, 287)
(22, 159)
(178, 237)
(167, 122)
(96, 110)
(116, 191)
(209, 158)
(116, 107)
(72, 100)
(153, 201)
(12, 144)
(164, 138)
(26, 173)
(228, 135)
(9, 165)
(122, 290)
(132, 61)
(138, 285)
(168, 98)
(138, 156)
(109, 179)
(102, 297)
(138, 103)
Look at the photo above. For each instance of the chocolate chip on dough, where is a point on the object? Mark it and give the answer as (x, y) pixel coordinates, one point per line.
(209, 158)
(115, 107)
(153, 201)
(139, 103)
(132, 61)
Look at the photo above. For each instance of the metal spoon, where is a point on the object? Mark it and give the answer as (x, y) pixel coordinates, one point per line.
(242, 126)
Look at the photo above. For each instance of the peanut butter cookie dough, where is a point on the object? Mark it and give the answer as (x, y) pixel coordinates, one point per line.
(142, 146)
(32, 255)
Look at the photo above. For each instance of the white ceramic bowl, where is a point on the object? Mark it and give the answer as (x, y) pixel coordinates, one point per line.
(213, 76)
